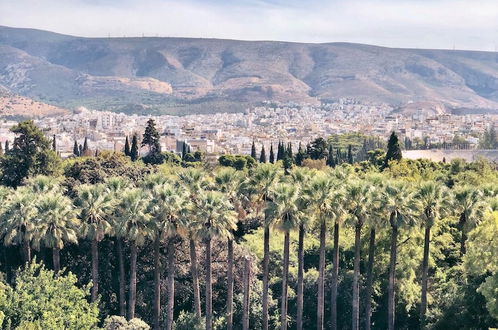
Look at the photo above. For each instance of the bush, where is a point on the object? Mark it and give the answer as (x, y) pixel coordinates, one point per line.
(189, 321)
(115, 322)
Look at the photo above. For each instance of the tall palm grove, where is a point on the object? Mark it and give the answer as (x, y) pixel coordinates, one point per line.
(341, 234)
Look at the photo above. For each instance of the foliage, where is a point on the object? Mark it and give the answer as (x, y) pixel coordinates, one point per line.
(30, 155)
(115, 322)
(41, 300)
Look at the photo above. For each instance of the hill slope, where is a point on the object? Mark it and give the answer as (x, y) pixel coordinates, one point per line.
(159, 74)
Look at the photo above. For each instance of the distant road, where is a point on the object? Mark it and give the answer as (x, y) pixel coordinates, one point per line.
(449, 155)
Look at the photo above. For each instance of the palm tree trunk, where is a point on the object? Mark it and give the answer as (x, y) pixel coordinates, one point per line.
(209, 288)
(321, 278)
(230, 285)
(463, 237)
(266, 264)
(425, 271)
(392, 276)
(56, 259)
(157, 282)
(133, 281)
(356, 279)
(247, 288)
(171, 284)
(335, 276)
(300, 278)
(195, 278)
(371, 259)
(283, 303)
(95, 269)
(122, 298)
(26, 251)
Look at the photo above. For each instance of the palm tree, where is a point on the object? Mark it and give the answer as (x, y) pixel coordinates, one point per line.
(194, 181)
(284, 210)
(138, 228)
(228, 181)
(395, 203)
(358, 204)
(16, 226)
(321, 196)
(301, 176)
(116, 185)
(96, 205)
(259, 186)
(167, 205)
(55, 224)
(216, 220)
(469, 206)
(432, 201)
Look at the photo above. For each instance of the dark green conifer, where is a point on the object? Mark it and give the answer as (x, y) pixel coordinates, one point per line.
(7, 148)
(151, 137)
(127, 147)
(350, 154)
(54, 143)
(253, 150)
(272, 154)
(393, 150)
(76, 149)
(300, 155)
(262, 157)
(134, 148)
(85, 145)
(289, 151)
(330, 158)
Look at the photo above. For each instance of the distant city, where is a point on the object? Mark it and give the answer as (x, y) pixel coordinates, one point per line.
(234, 133)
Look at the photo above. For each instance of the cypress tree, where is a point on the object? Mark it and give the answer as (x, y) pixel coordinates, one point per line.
(279, 151)
(76, 150)
(6, 145)
(134, 148)
(184, 150)
(85, 145)
(272, 154)
(1, 150)
(300, 155)
(338, 156)
(393, 150)
(151, 137)
(289, 151)
(127, 147)
(54, 144)
(330, 158)
(80, 152)
(350, 154)
(262, 157)
(253, 151)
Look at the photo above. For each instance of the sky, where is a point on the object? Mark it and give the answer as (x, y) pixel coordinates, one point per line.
(447, 24)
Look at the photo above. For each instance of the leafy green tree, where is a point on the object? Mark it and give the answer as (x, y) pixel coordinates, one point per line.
(41, 299)
(216, 221)
(55, 225)
(432, 202)
(318, 149)
(151, 137)
(31, 155)
(120, 323)
(393, 150)
(95, 204)
(138, 228)
(285, 212)
(134, 152)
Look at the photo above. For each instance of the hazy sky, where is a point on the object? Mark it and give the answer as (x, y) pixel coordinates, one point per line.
(463, 24)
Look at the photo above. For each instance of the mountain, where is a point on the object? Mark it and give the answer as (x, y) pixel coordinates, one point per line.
(182, 75)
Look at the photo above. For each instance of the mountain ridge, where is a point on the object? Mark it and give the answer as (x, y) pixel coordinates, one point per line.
(118, 73)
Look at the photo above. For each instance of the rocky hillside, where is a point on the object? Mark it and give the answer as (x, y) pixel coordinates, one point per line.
(165, 75)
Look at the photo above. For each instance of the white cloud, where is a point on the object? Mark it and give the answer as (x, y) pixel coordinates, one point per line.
(396, 23)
